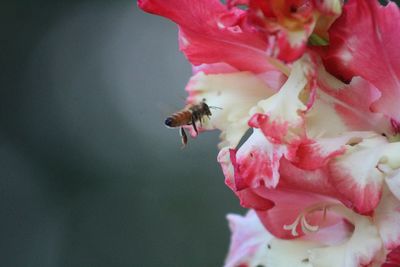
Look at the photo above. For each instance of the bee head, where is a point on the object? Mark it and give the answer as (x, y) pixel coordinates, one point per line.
(203, 104)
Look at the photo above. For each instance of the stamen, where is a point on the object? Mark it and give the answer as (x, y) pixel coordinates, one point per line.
(293, 227)
(306, 227)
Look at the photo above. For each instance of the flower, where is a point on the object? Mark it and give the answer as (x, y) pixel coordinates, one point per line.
(318, 87)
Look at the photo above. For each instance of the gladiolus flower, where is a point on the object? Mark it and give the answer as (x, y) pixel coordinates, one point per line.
(318, 86)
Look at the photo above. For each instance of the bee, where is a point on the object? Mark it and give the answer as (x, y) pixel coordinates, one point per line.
(189, 115)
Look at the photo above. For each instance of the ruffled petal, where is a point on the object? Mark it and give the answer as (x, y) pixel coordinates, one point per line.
(359, 174)
(363, 42)
(356, 176)
(280, 117)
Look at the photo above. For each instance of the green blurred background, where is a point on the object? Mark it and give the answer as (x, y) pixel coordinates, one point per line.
(89, 175)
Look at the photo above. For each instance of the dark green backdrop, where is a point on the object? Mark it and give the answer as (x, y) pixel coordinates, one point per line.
(89, 176)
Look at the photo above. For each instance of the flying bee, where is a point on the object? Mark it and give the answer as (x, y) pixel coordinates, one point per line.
(189, 115)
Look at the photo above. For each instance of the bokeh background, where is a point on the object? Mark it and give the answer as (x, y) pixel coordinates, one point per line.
(89, 175)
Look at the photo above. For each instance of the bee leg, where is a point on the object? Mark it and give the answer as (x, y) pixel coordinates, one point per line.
(194, 125)
(183, 136)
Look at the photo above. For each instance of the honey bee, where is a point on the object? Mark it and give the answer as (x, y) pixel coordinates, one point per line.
(189, 115)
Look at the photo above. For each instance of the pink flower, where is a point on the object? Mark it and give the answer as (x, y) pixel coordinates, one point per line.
(321, 168)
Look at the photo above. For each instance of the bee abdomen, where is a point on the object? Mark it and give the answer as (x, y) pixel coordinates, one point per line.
(179, 119)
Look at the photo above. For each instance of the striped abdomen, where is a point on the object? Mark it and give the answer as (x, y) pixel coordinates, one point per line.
(180, 118)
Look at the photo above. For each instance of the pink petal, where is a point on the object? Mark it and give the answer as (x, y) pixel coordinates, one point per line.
(312, 181)
(354, 102)
(313, 154)
(288, 205)
(332, 235)
(275, 131)
(249, 241)
(211, 33)
(291, 50)
(364, 43)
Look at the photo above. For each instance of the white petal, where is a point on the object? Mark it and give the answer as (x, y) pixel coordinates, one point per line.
(389, 165)
(392, 180)
(289, 253)
(360, 160)
(323, 121)
(392, 155)
(387, 219)
(285, 105)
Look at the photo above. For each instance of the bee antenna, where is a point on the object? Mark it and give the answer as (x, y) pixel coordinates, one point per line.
(215, 107)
